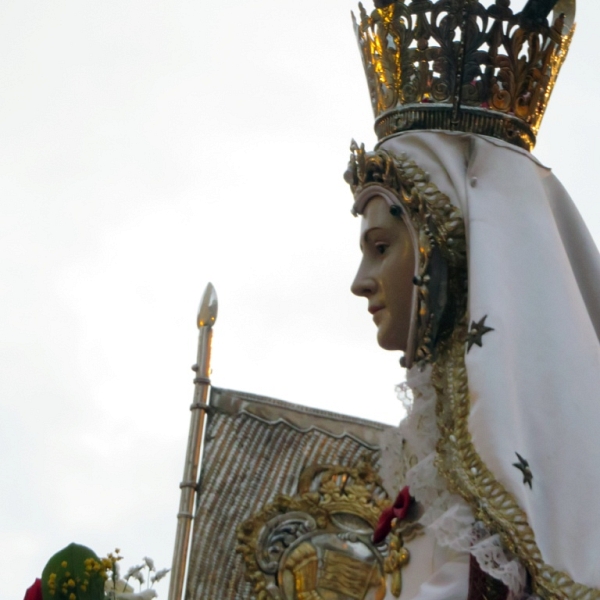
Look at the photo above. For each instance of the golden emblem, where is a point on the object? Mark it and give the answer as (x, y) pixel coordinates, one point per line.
(317, 545)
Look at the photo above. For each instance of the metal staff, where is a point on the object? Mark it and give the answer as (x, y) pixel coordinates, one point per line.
(207, 315)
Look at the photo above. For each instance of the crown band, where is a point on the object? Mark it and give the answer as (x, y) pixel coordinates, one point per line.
(470, 120)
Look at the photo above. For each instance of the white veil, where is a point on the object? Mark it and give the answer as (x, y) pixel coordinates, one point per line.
(534, 384)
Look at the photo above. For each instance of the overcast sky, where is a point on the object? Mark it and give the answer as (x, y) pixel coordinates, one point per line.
(149, 147)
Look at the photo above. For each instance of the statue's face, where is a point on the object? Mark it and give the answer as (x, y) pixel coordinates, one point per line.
(386, 272)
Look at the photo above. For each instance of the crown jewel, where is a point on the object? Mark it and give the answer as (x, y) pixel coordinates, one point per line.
(456, 65)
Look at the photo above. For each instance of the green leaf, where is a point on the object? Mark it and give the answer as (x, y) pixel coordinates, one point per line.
(65, 574)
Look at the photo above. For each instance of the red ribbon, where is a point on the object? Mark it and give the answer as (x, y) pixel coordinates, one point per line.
(397, 511)
(35, 591)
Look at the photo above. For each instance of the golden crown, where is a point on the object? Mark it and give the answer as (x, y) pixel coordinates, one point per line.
(458, 66)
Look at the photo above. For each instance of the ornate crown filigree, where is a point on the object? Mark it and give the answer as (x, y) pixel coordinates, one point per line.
(456, 65)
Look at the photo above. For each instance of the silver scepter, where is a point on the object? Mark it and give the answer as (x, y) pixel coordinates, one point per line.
(207, 315)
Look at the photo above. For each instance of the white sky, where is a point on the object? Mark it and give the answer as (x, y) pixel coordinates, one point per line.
(149, 147)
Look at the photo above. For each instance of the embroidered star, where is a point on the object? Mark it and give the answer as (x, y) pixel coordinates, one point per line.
(523, 466)
(478, 330)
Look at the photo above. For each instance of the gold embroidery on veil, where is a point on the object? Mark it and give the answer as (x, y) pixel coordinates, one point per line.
(466, 474)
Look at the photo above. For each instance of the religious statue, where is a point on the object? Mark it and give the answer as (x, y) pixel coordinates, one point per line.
(478, 267)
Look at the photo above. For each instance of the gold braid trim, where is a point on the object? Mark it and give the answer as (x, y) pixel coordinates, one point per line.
(466, 474)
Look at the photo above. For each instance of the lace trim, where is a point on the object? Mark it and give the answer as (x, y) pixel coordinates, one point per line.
(448, 515)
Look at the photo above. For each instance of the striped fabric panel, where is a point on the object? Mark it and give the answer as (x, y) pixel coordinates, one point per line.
(247, 462)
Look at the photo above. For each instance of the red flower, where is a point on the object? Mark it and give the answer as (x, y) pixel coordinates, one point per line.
(397, 511)
(35, 591)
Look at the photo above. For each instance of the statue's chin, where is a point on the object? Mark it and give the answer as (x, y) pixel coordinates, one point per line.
(391, 340)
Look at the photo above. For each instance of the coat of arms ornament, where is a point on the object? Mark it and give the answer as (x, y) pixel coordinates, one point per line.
(318, 544)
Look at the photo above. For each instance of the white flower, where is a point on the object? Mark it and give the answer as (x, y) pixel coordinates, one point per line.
(149, 563)
(139, 576)
(133, 571)
(159, 575)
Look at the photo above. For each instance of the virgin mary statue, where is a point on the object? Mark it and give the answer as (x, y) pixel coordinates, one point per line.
(477, 265)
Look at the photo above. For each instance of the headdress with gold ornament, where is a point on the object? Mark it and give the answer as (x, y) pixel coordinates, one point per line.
(439, 236)
(456, 65)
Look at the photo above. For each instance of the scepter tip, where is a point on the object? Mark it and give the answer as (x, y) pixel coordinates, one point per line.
(209, 305)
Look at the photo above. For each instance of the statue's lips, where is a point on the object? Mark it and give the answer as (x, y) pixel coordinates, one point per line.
(375, 309)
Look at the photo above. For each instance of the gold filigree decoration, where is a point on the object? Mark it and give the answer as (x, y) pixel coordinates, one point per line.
(467, 475)
(440, 229)
(456, 65)
(399, 556)
(318, 544)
